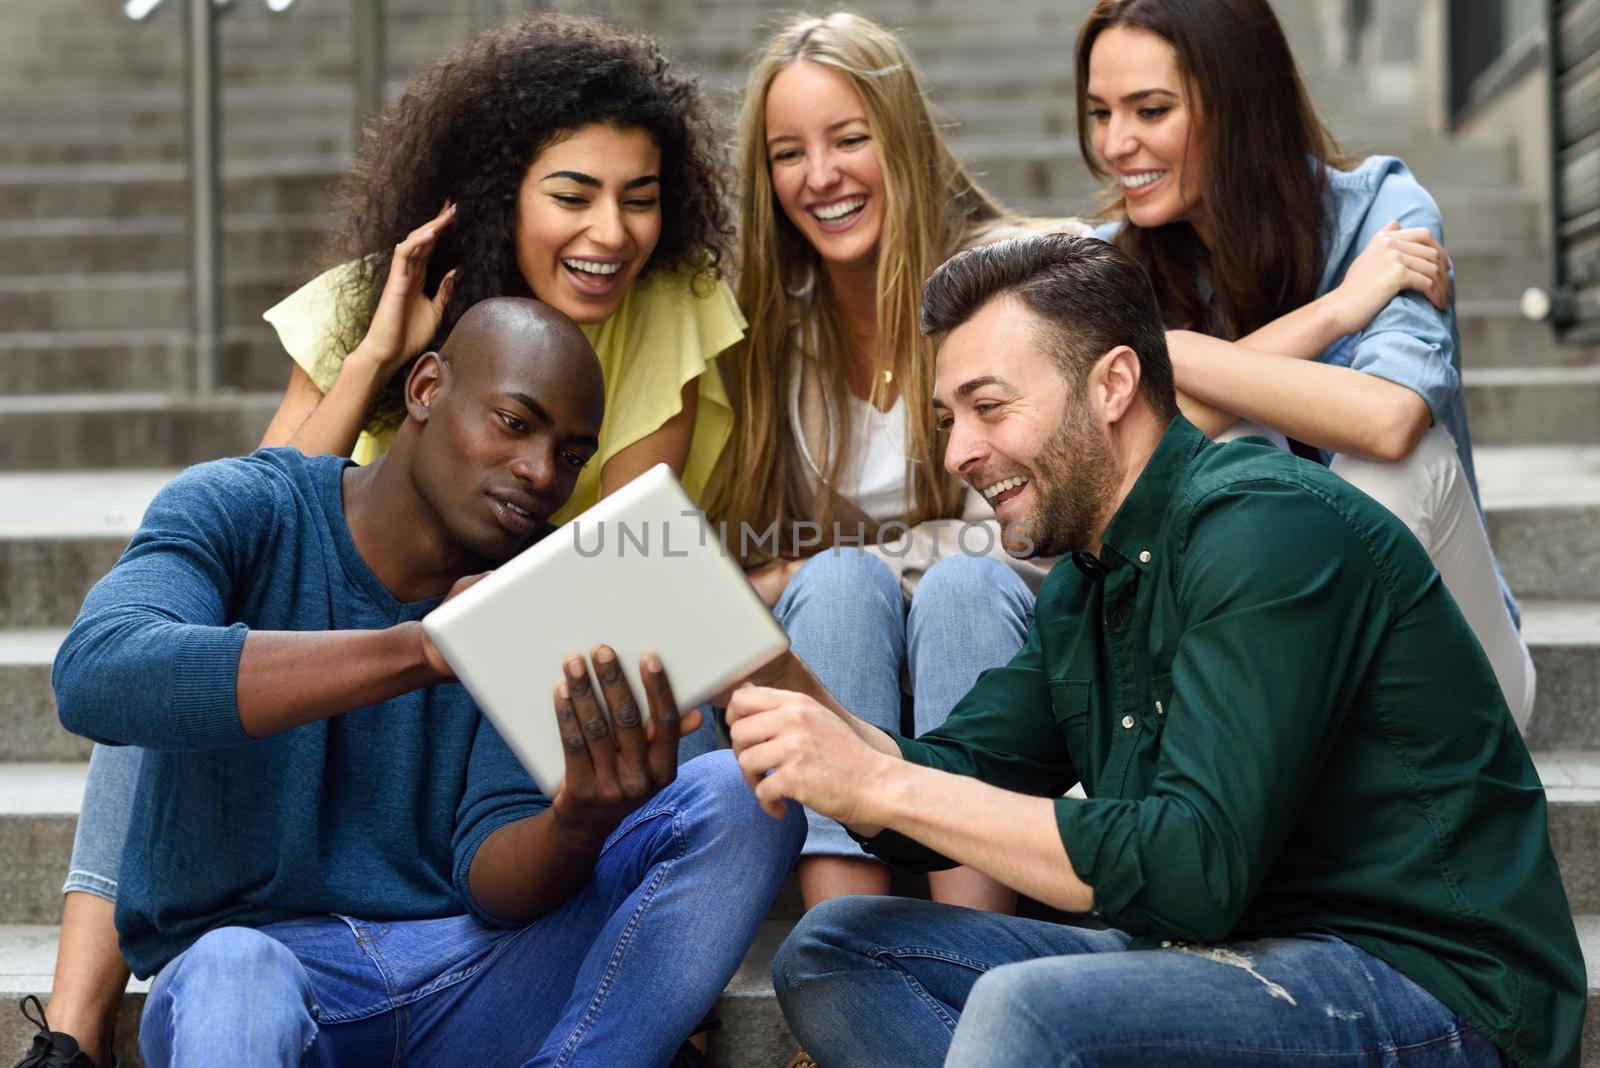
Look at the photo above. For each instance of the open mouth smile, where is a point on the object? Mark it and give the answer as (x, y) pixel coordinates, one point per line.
(839, 214)
(1136, 185)
(594, 277)
(1006, 489)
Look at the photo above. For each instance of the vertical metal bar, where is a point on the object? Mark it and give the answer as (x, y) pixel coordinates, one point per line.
(1562, 313)
(367, 39)
(205, 192)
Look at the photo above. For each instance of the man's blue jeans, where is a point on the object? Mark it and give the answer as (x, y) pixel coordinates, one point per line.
(618, 975)
(875, 981)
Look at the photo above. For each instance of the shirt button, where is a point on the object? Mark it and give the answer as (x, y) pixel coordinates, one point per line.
(1127, 722)
(1144, 556)
(1159, 710)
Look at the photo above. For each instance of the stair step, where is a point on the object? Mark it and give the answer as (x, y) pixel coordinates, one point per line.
(1533, 405)
(135, 300)
(110, 430)
(252, 243)
(135, 361)
(1542, 504)
(282, 186)
(1494, 333)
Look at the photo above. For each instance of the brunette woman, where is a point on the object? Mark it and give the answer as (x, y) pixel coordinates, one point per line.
(1229, 189)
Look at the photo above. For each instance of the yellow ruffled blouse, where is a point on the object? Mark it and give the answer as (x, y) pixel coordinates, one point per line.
(661, 336)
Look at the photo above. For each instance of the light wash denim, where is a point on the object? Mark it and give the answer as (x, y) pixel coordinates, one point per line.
(103, 820)
(848, 623)
(874, 980)
(618, 975)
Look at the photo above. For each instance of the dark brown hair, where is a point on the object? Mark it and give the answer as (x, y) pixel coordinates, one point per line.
(1091, 295)
(467, 130)
(1266, 152)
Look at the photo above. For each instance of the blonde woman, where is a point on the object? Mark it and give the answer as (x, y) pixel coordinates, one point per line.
(849, 199)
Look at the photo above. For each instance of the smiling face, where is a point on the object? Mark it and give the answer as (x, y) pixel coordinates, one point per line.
(1145, 126)
(824, 164)
(1020, 434)
(588, 217)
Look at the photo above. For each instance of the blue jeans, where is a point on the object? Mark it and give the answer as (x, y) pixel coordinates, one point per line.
(103, 820)
(848, 623)
(873, 981)
(617, 975)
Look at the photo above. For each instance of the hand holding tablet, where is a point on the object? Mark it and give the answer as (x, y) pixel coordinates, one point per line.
(615, 764)
(641, 572)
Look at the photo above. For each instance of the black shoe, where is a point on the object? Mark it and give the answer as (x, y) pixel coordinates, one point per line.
(51, 1049)
(687, 1056)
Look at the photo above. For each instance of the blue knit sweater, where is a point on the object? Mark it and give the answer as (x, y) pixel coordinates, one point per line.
(376, 813)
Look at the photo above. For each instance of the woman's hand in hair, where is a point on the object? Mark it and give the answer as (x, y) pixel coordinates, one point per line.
(1394, 261)
(406, 318)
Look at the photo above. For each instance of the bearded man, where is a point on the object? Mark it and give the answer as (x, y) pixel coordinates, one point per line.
(1311, 828)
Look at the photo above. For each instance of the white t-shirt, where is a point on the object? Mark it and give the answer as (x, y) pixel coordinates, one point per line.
(873, 475)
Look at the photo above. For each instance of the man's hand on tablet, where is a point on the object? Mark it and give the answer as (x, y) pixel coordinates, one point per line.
(430, 652)
(615, 765)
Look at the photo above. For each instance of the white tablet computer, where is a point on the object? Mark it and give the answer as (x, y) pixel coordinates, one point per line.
(642, 571)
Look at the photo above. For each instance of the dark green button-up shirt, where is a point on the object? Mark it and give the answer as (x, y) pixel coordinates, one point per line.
(1282, 723)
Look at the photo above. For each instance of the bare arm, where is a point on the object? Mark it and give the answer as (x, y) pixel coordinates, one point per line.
(1010, 837)
(317, 424)
(668, 444)
(1330, 407)
(405, 319)
(1394, 261)
(284, 681)
(793, 746)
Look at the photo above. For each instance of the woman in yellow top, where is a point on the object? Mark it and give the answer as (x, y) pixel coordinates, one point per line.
(573, 166)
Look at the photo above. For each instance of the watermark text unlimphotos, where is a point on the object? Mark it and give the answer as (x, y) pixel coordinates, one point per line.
(645, 539)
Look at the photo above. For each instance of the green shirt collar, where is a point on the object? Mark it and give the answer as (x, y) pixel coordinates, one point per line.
(1135, 528)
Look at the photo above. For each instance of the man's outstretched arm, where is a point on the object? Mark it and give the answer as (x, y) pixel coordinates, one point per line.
(791, 746)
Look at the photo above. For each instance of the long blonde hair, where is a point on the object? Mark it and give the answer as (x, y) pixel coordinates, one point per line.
(931, 209)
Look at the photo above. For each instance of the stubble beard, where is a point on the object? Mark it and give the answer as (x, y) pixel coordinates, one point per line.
(1079, 475)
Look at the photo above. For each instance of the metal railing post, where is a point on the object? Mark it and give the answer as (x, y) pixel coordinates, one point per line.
(367, 38)
(205, 192)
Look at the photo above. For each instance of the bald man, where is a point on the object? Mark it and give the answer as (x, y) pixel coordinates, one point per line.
(334, 859)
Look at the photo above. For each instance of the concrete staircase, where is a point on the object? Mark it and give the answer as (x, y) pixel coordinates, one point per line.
(95, 419)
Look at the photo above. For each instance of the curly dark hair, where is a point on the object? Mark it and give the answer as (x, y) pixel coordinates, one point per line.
(467, 130)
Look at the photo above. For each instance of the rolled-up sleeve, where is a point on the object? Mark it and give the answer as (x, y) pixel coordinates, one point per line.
(1270, 656)
(1409, 342)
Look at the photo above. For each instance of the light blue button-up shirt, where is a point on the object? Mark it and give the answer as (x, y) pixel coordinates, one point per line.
(1410, 341)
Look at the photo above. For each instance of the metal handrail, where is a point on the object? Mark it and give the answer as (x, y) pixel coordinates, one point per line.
(202, 106)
